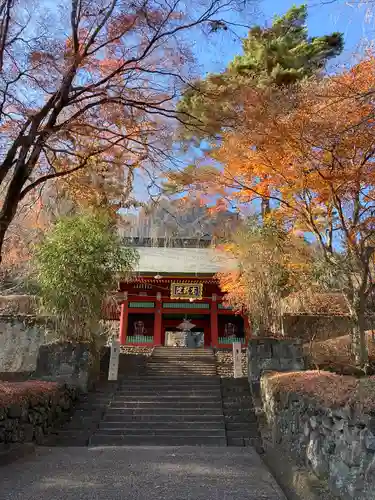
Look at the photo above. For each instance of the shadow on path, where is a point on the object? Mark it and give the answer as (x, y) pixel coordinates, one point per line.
(187, 473)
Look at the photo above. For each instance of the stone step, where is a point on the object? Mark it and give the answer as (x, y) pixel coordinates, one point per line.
(88, 424)
(235, 382)
(188, 356)
(163, 417)
(240, 391)
(163, 397)
(164, 424)
(182, 353)
(186, 361)
(212, 396)
(249, 433)
(181, 374)
(178, 378)
(168, 349)
(172, 377)
(94, 402)
(137, 405)
(179, 369)
(90, 409)
(238, 406)
(162, 413)
(180, 432)
(193, 362)
(235, 398)
(68, 438)
(185, 380)
(169, 390)
(182, 350)
(178, 372)
(240, 420)
(210, 361)
(160, 389)
(186, 389)
(240, 426)
(181, 362)
(240, 441)
(171, 380)
(141, 440)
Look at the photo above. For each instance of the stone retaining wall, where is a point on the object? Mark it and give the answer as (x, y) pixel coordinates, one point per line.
(69, 363)
(224, 362)
(20, 339)
(273, 354)
(337, 444)
(32, 419)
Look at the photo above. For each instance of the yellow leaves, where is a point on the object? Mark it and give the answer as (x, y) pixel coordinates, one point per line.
(327, 157)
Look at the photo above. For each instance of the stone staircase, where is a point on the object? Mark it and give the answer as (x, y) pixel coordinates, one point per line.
(173, 397)
(175, 400)
(86, 418)
(240, 419)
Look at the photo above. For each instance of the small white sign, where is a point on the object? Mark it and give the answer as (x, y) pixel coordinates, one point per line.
(237, 360)
(114, 359)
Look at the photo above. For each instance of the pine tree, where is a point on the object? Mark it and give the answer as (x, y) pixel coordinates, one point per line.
(280, 55)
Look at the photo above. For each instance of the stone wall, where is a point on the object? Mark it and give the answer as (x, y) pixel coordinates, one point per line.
(273, 354)
(24, 305)
(337, 442)
(307, 327)
(35, 416)
(69, 363)
(20, 339)
(224, 362)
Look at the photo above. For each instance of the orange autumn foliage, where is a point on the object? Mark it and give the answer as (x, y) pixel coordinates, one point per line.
(308, 149)
(311, 152)
(307, 152)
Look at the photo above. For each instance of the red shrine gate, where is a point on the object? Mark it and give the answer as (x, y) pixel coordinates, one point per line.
(153, 307)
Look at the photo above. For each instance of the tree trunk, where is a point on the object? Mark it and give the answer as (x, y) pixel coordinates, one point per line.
(265, 209)
(359, 339)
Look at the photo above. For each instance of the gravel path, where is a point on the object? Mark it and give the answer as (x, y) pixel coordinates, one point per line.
(139, 473)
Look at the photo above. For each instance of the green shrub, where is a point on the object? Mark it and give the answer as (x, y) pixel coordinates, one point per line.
(77, 265)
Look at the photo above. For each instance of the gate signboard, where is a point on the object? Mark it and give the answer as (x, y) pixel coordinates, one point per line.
(114, 359)
(192, 291)
(237, 360)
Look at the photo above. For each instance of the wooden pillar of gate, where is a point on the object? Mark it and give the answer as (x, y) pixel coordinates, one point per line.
(124, 317)
(158, 320)
(247, 327)
(214, 322)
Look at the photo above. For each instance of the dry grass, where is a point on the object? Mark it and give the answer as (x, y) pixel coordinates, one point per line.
(328, 389)
(315, 304)
(22, 392)
(335, 354)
